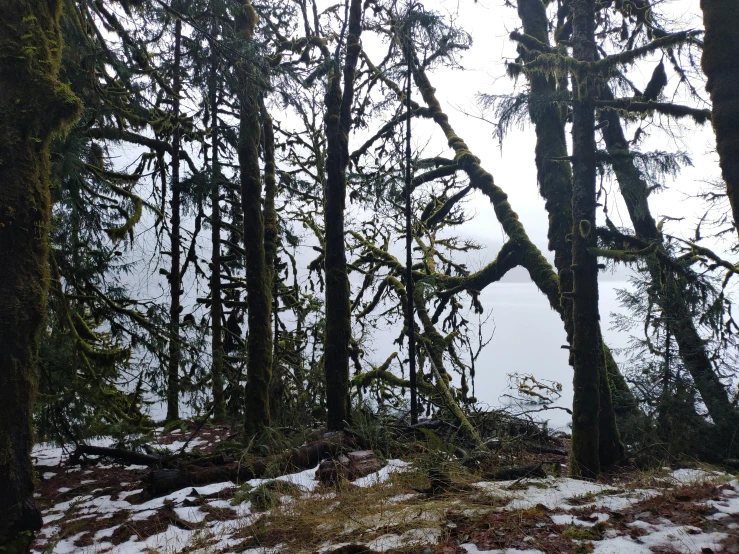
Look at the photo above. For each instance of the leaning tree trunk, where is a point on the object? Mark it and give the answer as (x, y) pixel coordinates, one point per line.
(585, 460)
(216, 307)
(34, 106)
(338, 303)
(531, 258)
(175, 279)
(691, 347)
(721, 66)
(258, 286)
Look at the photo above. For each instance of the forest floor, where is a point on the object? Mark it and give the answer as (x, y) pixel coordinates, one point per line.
(99, 508)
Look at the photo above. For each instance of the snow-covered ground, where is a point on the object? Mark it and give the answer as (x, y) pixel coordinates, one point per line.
(101, 508)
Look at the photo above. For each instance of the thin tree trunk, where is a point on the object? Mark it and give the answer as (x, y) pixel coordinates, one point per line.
(175, 279)
(271, 242)
(216, 307)
(588, 355)
(721, 66)
(258, 287)
(338, 302)
(34, 106)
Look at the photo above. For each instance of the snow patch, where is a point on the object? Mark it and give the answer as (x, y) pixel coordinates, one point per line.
(303, 479)
(472, 549)
(392, 541)
(393, 466)
(568, 519)
(688, 476)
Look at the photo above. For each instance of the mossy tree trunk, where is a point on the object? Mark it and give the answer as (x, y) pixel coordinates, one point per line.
(586, 344)
(271, 240)
(529, 256)
(547, 99)
(216, 307)
(721, 65)
(175, 279)
(34, 106)
(338, 303)
(548, 116)
(258, 285)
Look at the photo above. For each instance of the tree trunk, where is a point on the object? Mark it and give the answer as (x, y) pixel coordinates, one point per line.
(271, 243)
(338, 302)
(163, 481)
(258, 286)
(610, 447)
(175, 279)
(216, 307)
(588, 355)
(555, 185)
(34, 106)
(721, 66)
(554, 175)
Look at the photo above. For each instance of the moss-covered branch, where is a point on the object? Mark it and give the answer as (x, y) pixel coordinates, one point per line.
(675, 111)
(531, 258)
(558, 64)
(382, 373)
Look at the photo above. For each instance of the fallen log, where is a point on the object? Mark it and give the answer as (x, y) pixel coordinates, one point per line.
(163, 481)
(537, 449)
(120, 454)
(516, 472)
(351, 466)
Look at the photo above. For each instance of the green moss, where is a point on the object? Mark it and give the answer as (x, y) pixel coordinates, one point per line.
(36, 108)
(120, 232)
(246, 20)
(594, 533)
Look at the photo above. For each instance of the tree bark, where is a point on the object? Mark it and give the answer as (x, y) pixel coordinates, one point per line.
(175, 279)
(586, 346)
(721, 66)
(271, 244)
(126, 456)
(258, 286)
(555, 186)
(34, 106)
(338, 302)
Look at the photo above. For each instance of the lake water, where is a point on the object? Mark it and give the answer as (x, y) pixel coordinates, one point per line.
(527, 339)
